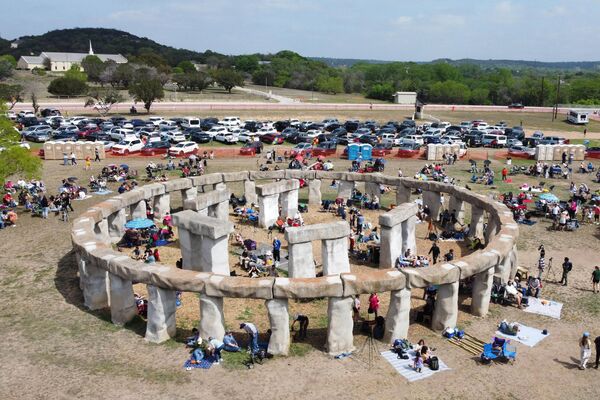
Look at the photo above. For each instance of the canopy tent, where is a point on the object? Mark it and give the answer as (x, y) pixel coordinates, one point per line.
(140, 223)
(549, 197)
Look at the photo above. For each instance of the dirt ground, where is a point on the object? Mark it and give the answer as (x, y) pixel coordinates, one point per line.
(52, 347)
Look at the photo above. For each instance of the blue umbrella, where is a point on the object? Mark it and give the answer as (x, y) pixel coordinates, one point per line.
(140, 223)
(549, 197)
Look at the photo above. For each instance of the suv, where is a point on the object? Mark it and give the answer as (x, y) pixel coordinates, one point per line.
(230, 122)
(128, 146)
(190, 122)
(491, 140)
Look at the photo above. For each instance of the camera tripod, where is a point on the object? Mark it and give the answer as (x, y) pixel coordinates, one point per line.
(550, 270)
(368, 348)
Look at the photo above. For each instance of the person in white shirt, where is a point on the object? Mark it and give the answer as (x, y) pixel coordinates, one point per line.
(512, 290)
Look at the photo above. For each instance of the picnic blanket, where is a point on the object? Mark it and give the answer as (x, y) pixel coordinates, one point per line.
(551, 309)
(206, 363)
(405, 367)
(103, 192)
(527, 335)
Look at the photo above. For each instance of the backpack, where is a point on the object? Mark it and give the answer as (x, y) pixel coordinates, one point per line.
(434, 363)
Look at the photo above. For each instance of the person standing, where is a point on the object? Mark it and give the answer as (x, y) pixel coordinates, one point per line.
(303, 322)
(504, 173)
(542, 251)
(597, 343)
(276, 250)
(88, 163)
(46, 208)
(252, 332)
(374, 304)
(596, 279)
(356, 307)
(585, 346)
(567, 267)
(541, 266)
(73, 159)
(65, 159)
(96, 155)
(435, 252)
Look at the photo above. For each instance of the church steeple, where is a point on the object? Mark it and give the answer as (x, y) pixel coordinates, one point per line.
(91, 52)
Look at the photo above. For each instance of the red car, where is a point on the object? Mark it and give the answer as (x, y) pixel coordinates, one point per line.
(84, 134)
(382, 149)
(156, 148)
(325, 149)
(272, 138)
(593, 152)
(251, 148)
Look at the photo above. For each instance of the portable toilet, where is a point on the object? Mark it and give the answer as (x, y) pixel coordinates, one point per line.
(78, 150)
(59, 150)
(580, 152)
(353, 150)
(431, 152)
(366, 150)
(49, 151)
(88, 149)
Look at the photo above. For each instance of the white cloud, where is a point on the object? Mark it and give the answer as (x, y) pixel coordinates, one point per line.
(403, 20)
(504, 7)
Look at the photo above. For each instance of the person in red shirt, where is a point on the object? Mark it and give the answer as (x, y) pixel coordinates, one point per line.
(374, 304)
(504, 173)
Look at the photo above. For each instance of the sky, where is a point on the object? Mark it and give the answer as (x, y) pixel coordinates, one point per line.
(421, 30)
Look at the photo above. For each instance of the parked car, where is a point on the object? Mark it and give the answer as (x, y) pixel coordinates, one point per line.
(409, 149)
(128, 146)
(516, 106)
(38, 137)
(553, 140)
(200, 137)
(492, 140)
(521, 152)
(252, 125)
(247, 136)
(156, 148)
(227, 137)
(108, 144)
(156, 120)
(287, 132)
(382, 149)
(190, 122)
(217, 129)
(230, 122)
(175, 136)
(88, 134)
(119, 134)
(301, 149)
(272, 138)
(324, 149)
(513, 142)
(183, 149)
(592, 152)
(251, 148)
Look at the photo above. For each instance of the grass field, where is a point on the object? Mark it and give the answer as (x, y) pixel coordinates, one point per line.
(307, 96)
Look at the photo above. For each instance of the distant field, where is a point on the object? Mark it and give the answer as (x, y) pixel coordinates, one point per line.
(307, 96)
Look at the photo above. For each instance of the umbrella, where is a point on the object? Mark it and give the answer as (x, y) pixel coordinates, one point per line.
(549, 197)
(140, 223)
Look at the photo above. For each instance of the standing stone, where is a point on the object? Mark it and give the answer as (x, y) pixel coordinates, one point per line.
(122, 303)
(116, 225)
(138, 210)
(212, 320)
(433, 201)
(269, 210)
(314, 192)
(402, 194)
(445, 313)
(220, 211)
(289, 203)
(372, 189)
(300, 260)
(95, 293)
(101, 231)
(189, 194)
(162, 205)
(345, 189)
(457, 205)
(482, 290)
(250, 191)
(335, 256)
(409, 238)
(490, 229)
(390, 245)
(397, 320)
(476, 229)
(340, 325)
(279, 343)
(161, 314)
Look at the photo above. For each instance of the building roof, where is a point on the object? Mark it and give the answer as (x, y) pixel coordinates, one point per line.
(33, 59)
(78, 57)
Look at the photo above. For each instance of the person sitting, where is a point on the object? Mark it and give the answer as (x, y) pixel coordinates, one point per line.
(449, 256)
(216, 346)
(533, 287)
(191, 341)
(230, 344)
(509, 328)
(198, 352)
(512, 290)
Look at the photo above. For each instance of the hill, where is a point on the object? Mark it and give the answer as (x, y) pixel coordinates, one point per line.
(104, 41)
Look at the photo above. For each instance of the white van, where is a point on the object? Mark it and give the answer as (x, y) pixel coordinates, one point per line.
(190, 122)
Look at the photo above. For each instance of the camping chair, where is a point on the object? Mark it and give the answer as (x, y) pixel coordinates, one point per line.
(498, 350)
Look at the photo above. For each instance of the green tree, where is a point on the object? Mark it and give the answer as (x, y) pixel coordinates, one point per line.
(247, 63)
(146, 89)
(15, 160)
(228, 79)
(93, 67)
(75, 73)
(6, 69)
(11, 94)
(67, 86)
(10, 59)
(330, 84)
(102, 100)
(187, 66)
(34, 103)
(381, 91)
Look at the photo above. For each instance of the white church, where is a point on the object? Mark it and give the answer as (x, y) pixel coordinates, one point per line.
(63, 61)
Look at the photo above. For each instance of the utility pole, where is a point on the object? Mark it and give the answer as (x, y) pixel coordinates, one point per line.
(542, 94)
(555, 111)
